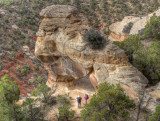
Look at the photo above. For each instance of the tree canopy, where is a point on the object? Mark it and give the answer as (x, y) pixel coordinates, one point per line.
(145, 59)
(9, 94)
(148, 62)
(156, 115)
(130, 45)
(152, 29)
(110, 103)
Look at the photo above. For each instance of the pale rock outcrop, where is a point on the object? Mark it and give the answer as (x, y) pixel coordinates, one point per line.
(67, 57)
(126, 75)
(57, 11)
(72, 63)
(117, 33)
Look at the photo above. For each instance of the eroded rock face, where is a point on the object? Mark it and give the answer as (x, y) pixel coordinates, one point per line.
(138, 26)
(67, 57)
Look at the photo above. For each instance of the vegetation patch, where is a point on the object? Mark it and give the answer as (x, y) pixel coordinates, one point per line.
(95, 39)
(152, 29)
(110, 104)
(146, 59)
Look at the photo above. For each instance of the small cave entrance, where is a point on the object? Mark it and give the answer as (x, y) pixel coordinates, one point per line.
(84, 84)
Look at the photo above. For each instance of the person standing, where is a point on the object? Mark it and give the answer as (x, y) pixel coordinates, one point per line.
(79, 101)
(86, 98)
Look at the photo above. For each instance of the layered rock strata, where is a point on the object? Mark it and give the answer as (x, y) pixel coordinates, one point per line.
(67, 57)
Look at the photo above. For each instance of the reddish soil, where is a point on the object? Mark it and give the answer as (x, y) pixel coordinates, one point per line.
(11, 70)
(34, 38)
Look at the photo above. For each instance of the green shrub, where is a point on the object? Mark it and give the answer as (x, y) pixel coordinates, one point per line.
(62, 100)
(156, 115)
(95, 40)
(9, 95)
(26, 69)
(36, 66)
(32, 112)
(109, 104)
(65, 113)
(130, 45)
(18, 68)
(46, 93)
(7, 48)
(152, 29)
(148, 62)
(127, 28)
(27, 42)
(11, 56)
(40, 79)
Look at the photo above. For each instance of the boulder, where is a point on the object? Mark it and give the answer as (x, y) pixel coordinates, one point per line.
(126, 75)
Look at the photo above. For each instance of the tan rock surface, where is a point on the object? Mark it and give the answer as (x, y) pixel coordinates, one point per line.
(127, 75)
(58, 11)
(139, 23)
(73, 65)
(67, 56)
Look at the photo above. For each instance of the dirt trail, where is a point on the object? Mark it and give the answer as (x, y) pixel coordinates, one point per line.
(74, 105)
(73, 91)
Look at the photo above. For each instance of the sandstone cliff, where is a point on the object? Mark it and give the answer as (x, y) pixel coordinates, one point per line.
(67, 57)
(72, 63)
(137, 27)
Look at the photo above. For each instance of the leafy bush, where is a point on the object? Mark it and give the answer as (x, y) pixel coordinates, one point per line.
(148, 62)
(30, 111)
(65, 113)
(152, 29)
(36, 66)
(95, 40)
(10, 111)
(130, 45)
(9, 95)
(62, 100)
(11, 56)
(156, 115)
(46, 92)
(18, 68)
(26, 69)
(110, 104)
(127, 28)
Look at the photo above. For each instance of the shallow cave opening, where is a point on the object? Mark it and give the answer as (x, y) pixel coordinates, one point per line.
(84, 83)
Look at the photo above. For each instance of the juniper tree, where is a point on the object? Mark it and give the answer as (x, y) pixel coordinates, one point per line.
(9, 94)
(95, 39)
(109, 104)
(46, 93)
